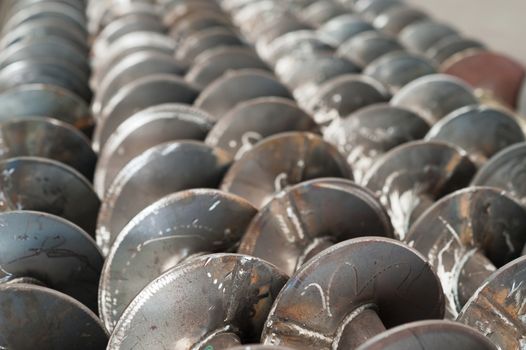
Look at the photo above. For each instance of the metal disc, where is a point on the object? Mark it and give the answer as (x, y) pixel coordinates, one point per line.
(409, 178)
(159, 171)
(429, 335)
(397, 69)
(45, 10)
(41, 28)
(345, 27)
(370, 132)
(312, 308)
(239, 289)
(48, 48)
(141, 93)
(366, 47)
(127, 45)
(52, 251)
(497, 309)
(32, 183)
(422, 35)
(305, 73)
(33, 317)
(255, 120)
(395, 19)
(146, 129)
(505, 171)
(299, 42)
(122, 26)
(109, 12)
(213, 63)
(476, 219)
(480, 130)
(165, 234)
(258, 14)
(236, 87)
(312, 216)
(130, 68)
(281, 161)
(204, 40)
(435, 96)
(49, 72)
(371, 9)
(451, 46)
(178, 9)
(494, 74)
(46, 100)
(47, 138)
(197, 21)
(275, 28)
(343, 95)
(321, 12)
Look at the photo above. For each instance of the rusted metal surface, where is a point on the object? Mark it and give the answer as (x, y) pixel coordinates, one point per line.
(196, 21)
(250, 122)
(142, 93)
(129, 69)
(366, 47)
(422, 35)
(329, 297)
(435, 96)
(311, 216)
(193, 45)
(45, 100)
(367, 134)
(128, 44)
(497, 308)
(450, 46)
(31, 183)
(395, 19)
(343, 28)
(45, 71)
(236, 87)
(371, 9)
(146, 129)
(185, 224)
(477, 224)
(481, 131)
(397, 69)
(239, 289)
(306, 74)
(299, 42)
(154, 174)
(409, 178)
(281, 161)
(213, 63)
(47, 138)
(429, 335)
(341, 96)
(321, 12)
(498, 77)
(505, 171)
(33, 317)
(52, 251)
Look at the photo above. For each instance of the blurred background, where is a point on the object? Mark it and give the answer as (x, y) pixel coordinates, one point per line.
(500, 24)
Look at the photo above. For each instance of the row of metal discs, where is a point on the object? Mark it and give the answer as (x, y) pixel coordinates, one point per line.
(265, 101)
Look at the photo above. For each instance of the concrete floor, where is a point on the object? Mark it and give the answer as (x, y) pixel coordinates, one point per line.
(500, 24)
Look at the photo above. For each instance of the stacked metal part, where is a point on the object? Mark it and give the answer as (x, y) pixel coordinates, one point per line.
(303, 174)
(49, 262)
